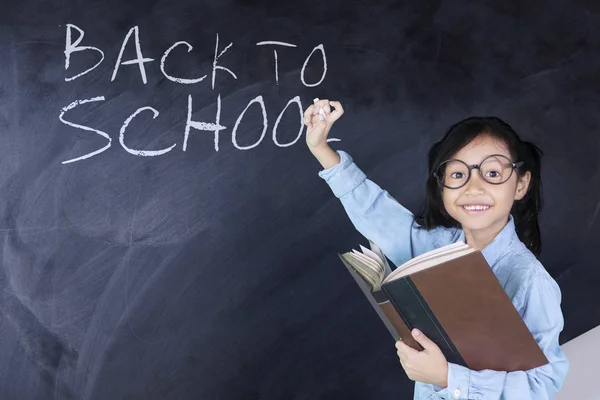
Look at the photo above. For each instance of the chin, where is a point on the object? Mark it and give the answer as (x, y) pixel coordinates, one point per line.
(474, 222)
(475, 225)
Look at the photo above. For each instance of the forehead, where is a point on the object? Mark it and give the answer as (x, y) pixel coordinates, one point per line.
(481, 147)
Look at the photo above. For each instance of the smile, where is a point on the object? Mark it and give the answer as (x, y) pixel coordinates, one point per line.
(476, 207)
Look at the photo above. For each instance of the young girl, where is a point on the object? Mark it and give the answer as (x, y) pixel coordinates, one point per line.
(483, 188)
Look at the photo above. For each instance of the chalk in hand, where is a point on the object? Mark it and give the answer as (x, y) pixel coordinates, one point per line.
(321, 111)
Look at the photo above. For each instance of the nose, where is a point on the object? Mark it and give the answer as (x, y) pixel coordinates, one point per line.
(475, 185)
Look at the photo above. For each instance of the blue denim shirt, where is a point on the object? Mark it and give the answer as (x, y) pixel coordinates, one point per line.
(380, 218)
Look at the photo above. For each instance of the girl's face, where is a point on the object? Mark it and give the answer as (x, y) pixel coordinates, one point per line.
(479, 206)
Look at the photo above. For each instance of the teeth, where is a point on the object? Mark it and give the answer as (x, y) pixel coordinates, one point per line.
(476, 208)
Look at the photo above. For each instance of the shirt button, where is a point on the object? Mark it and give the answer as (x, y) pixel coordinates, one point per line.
(456, 393)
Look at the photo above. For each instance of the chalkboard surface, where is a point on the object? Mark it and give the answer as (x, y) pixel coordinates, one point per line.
(164, 231)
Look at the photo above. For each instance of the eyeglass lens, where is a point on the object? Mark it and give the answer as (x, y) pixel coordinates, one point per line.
(494, 169)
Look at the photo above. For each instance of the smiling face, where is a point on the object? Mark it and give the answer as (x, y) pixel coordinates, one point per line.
(480, 207)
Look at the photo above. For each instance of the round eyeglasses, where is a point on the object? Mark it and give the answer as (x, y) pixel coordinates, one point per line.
(495, 169)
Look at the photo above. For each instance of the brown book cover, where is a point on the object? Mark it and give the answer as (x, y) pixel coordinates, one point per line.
(454, 298)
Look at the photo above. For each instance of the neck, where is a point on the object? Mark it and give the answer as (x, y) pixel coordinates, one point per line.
(480, 238)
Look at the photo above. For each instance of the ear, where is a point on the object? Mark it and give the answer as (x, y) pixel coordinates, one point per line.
(522, 185)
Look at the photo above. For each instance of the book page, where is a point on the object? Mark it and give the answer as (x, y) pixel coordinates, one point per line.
(375, 257)
(429, 262)
(377, 267)
(368, 274)
(368, 261)
(375, 249)
(430, 256)
(433, 253)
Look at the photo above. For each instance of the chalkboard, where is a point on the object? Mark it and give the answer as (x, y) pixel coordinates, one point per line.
(164, 231)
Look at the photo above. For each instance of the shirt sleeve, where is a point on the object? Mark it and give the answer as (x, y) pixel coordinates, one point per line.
(378, 216)
(543, 317)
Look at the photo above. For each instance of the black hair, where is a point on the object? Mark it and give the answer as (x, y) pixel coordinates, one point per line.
(525, 211)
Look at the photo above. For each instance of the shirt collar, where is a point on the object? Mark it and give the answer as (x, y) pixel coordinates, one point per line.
(501, 242)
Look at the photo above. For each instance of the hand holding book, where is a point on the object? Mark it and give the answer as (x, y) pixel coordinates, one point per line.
(427, 366)
(452, 296)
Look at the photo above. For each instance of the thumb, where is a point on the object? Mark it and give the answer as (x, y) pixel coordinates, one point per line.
(423, 340)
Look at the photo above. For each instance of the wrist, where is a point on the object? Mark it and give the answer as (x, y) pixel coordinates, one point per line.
(443, 378)
(325, 155)
(320, 148)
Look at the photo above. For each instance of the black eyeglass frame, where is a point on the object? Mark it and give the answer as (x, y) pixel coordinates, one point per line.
(514, 165)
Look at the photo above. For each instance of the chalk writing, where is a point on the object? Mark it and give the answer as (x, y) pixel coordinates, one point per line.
(140, 60)
(173, 78)
(85, 128)
(73, 45)
(203, 126)
(143, 153)
(276, 43)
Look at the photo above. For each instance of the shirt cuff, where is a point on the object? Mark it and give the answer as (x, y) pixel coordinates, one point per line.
(459, 379)
(343, 177)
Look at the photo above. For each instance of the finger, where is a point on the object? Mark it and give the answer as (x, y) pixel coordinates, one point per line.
(320, 114)
(308, 115)
(320, 105)
(404, 350)
(401, 357)
(325, 105)
(315, 119)
(403, 365)
(338, 106)
(338, 111)
(309, 111)
(308, 121)
(423, 340)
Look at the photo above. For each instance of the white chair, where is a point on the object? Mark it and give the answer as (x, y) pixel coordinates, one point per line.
(582, 381)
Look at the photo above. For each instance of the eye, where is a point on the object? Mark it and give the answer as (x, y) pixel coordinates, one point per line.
(493, 174)
(457, 175)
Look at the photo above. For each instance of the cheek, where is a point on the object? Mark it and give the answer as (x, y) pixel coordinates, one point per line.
(510, 190)
(449, 198)
(504, 197)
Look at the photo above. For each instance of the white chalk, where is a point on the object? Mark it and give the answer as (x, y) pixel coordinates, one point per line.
(321, 110)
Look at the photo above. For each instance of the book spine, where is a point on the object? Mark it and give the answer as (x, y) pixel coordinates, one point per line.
(396, 320)
(410, 304)
(366, 289)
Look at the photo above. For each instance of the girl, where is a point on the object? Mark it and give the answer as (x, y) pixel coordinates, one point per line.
(483, 188)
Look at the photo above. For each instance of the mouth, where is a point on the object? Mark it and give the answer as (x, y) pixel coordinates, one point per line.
(476, 208)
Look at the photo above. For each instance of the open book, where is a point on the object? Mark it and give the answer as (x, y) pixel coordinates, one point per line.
(374, 268)
(454, 298)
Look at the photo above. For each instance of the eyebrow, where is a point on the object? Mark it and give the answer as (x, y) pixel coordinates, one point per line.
(484, 157)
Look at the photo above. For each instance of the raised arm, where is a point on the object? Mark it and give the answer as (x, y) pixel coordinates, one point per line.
(378, 216)
(372, 210)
